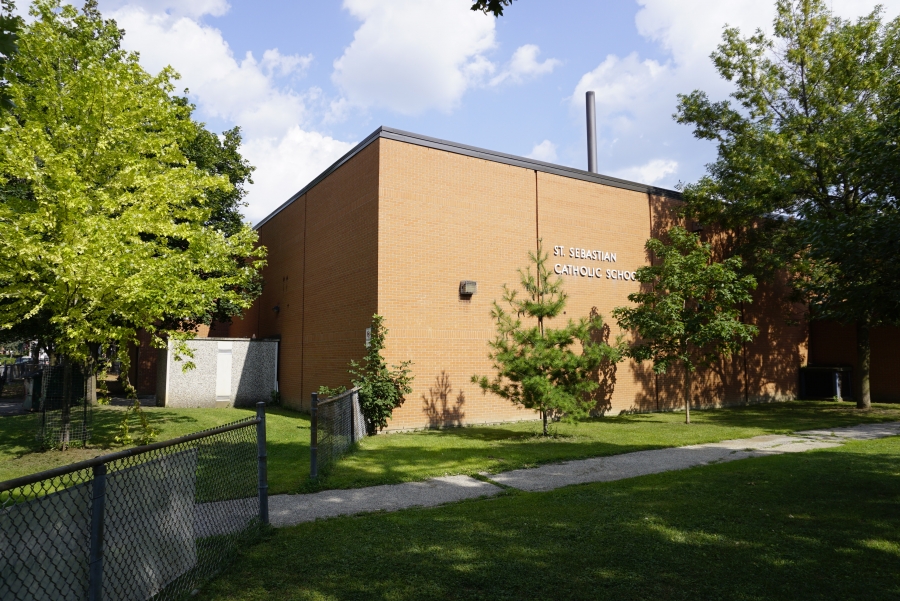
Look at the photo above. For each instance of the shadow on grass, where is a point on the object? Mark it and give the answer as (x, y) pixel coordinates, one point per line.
(388, 465)
(18, 433)
(820, 525)
(799, 415)
(395, 458)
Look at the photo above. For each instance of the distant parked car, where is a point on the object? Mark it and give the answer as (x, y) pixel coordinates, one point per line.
(21, 360)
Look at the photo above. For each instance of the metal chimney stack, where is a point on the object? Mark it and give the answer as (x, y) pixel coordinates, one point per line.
(591, 131)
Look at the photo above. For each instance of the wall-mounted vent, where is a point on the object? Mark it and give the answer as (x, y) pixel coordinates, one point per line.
(468, 288)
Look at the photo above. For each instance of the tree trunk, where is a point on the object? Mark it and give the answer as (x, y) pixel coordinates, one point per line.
(863, 365)
(543, 411)
(687, 395)
(66, 409)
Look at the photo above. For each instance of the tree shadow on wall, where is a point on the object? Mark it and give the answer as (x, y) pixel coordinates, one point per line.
(437, 405)
(763, 370)
(772, 359)
(605, 375)
(646, 398)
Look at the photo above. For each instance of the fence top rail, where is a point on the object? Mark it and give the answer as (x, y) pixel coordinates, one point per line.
(89, 463)
(338, 397)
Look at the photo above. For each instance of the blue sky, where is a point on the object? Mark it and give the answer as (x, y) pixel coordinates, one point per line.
(308, 79)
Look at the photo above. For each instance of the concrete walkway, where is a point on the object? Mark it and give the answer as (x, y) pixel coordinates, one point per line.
(12, 407)
(287, 510)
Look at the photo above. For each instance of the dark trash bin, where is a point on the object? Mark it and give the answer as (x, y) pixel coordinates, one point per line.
(33, 381)
(826, 382)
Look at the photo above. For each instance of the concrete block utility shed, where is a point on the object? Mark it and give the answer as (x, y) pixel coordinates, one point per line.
(228, 372)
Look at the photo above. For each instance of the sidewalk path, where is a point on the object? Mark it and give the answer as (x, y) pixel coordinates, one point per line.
(12, 407)
(287, 510)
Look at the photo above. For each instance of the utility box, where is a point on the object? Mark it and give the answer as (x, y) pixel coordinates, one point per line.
(33, 383)
(826, 382)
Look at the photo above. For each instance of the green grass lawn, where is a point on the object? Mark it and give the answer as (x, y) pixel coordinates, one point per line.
(817, 525)
(394, 458)
(419, 455)
(287, 432)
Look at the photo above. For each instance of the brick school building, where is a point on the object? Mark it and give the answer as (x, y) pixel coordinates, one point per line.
(401, 220)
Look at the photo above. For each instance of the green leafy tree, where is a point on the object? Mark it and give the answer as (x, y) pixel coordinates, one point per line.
(808, 162)
(491, 7)
(538, 367)
(853, 269)
(686, 312)
(10, 24)
(106, 227)
(381, 388)
(220, 156)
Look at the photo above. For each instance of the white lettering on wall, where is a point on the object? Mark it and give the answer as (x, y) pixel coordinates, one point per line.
(586, 271)
(584, 253)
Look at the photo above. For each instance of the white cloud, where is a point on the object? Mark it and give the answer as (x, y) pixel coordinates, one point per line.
(650, 173)
(177, 8)
(413, 55)
(286, 164)
(545, 151)
(275, 63)
(239, 90)
(636, 96)
(622, 84)
(635, 100)
(524, 65)
(246, 91)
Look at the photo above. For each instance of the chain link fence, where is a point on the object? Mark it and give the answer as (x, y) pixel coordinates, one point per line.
(17, 371)
(337, 423)
(65, 411)
(152, 522)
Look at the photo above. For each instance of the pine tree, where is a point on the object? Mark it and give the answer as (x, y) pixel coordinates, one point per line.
(540, 367)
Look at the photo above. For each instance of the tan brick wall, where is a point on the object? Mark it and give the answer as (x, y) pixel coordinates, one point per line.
(397, 227)
(445, 218)
(341, 270)
(583, 215)
(321, 274)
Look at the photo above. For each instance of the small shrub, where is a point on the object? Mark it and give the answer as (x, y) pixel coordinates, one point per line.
(381, 388)
(326, 392)
(147, 433)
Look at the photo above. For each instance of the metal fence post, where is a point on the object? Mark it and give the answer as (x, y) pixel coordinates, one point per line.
(353, 397)
(314, 437)
(95, 574)
(262, 467)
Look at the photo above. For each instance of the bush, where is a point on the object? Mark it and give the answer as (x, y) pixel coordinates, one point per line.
(381, 389)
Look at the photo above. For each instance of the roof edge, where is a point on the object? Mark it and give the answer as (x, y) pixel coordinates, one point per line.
(398, 135)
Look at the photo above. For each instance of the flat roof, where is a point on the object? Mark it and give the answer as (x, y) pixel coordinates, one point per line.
(390, 133)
